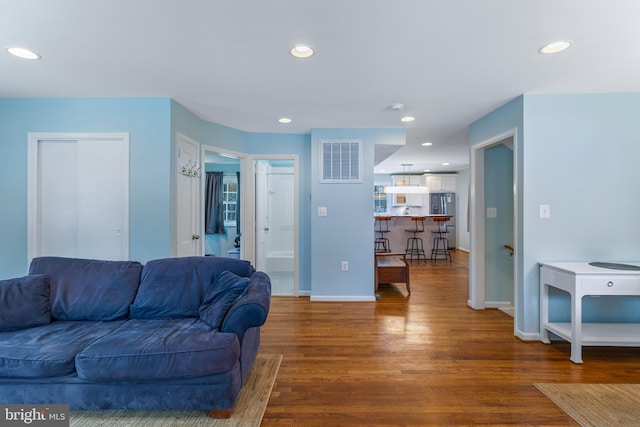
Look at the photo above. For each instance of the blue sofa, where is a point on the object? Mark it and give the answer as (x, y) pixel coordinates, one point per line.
(176, 333)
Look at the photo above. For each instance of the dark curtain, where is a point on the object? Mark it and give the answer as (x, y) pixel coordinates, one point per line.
(214, 208)
(238, 205)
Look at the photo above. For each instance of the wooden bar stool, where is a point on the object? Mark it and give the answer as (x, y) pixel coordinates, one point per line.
(440, 241)
(382, 228)
(414, 243)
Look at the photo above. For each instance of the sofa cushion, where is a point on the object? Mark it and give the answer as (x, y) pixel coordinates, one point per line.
(175, 287)
(49, 350)
(85, 289)
(150, 349)
(222, 294)
(24, 302)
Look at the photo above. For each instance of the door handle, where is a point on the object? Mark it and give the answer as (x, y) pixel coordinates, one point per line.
(195, 236)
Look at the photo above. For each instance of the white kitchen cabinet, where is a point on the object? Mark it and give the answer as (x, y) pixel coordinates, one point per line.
(409, 199)
(441, 183)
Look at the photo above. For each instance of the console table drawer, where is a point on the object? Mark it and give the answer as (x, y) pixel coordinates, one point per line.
(609, 284)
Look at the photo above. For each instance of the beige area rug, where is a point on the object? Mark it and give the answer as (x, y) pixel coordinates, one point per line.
(597, 405)
(248, 411)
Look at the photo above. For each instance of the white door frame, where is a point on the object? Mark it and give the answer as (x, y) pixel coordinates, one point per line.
(244, 189)
(477, 284)
(33, 223)
(249, 201)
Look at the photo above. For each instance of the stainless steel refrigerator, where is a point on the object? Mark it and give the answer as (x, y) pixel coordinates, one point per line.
(445, 204)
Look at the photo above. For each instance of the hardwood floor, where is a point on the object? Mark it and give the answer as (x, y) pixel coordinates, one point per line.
(427, 359)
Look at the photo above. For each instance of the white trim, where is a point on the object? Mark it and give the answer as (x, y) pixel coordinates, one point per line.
(527, 336)
(477, 285)
(343, 298)
(33, 224)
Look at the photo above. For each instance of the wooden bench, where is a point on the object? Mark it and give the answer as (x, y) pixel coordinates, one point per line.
(392, 267)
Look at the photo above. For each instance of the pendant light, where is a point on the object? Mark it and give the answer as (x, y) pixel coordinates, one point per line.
(407, 188)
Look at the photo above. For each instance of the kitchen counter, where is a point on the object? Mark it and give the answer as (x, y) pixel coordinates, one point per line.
(398, 235)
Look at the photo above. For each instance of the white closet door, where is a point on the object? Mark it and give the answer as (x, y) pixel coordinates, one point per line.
(58, 195)
(81, 198)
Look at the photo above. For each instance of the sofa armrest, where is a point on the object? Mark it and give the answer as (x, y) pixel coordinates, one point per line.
(251, 309)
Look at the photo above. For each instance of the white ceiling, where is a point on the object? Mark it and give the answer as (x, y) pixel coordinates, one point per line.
(449, 61)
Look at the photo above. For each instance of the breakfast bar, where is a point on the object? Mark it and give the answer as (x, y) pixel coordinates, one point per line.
(397, 235)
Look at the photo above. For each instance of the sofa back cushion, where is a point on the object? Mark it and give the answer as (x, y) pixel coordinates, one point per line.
(24, 302)
(223, 293)
(175, 287)
(86, 289)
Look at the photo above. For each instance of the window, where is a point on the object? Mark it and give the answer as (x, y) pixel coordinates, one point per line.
(230, 198)
(379, 199)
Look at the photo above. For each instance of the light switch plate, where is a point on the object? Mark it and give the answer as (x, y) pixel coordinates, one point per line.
(492, 212)
(322, 211)
(545, 211)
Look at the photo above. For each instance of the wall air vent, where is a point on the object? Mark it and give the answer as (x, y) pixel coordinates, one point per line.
(340, 160)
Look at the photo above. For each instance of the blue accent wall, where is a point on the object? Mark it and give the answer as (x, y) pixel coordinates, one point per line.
(580, 156)
(152, 124)
(147, 122)
(499, 230)
(346, 233)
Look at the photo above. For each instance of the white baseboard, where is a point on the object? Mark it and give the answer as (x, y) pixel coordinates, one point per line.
(463, 250)
(343, 298)
(528, 336)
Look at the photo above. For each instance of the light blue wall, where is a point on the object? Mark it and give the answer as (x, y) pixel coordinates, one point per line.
(499, 230)
(579, 155)
(345, 234)
(300, 145)
(146, 121)
(206, 132)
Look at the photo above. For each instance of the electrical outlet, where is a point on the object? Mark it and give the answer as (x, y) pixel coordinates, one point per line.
(344, 265)
(322, 211)
(492, 212)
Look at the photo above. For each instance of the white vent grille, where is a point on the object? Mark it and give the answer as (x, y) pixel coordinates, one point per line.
(340, 160)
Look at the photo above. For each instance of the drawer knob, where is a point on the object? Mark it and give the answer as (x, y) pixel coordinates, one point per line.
(610, 283)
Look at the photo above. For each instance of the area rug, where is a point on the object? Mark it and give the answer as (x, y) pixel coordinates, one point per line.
(597, 404)
(248, 411)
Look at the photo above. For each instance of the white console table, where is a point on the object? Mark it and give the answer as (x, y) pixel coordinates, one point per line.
(580, 279)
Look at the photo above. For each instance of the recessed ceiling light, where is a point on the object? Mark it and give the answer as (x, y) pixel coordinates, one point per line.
(407, 119)
(21, 52)
(446, 164)
(396, 107)
(554, 47)
(301, 51)
(427, 144)
(427, 170)
(284, 120)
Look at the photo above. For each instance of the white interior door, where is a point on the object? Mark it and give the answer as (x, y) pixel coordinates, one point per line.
(79, 196)
(188, 175)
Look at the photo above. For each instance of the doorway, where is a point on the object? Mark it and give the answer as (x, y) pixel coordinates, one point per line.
(228, 242)
(78, 195)
(485, 228)
(276, 222)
